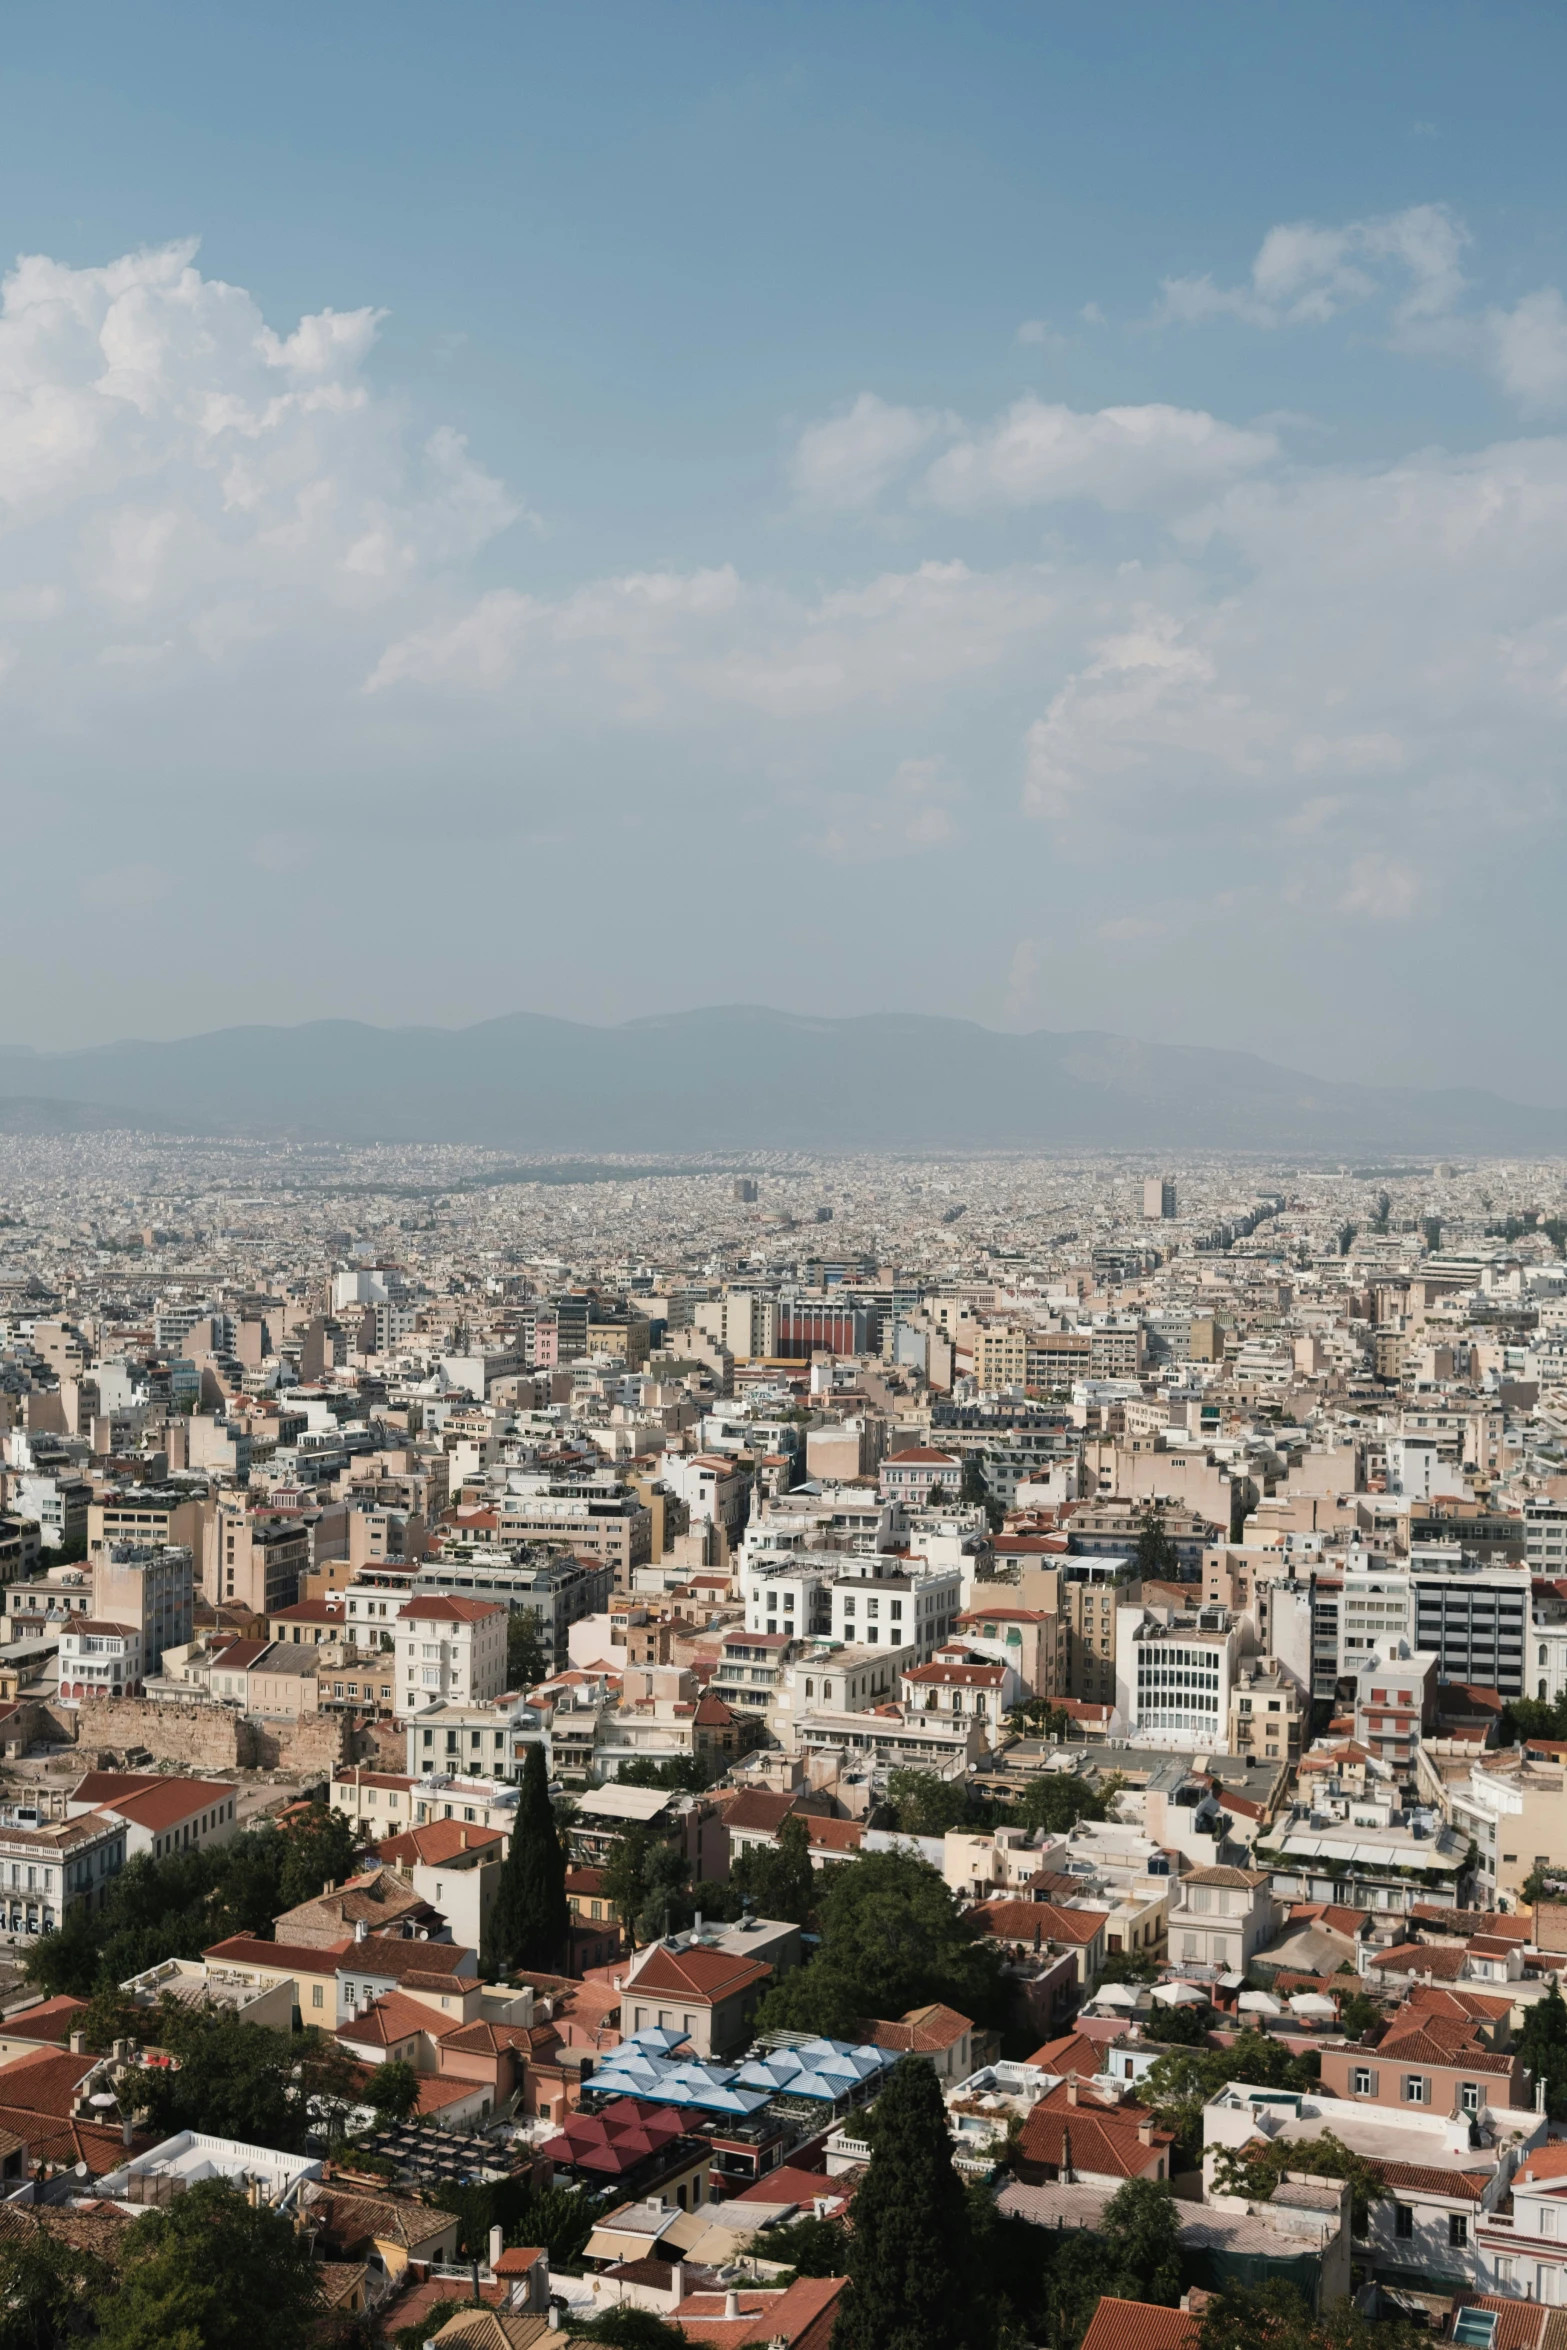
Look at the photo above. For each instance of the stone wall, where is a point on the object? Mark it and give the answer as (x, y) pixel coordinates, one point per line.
(213, 1738)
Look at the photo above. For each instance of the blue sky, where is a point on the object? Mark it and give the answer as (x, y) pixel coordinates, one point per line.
(1053, 514)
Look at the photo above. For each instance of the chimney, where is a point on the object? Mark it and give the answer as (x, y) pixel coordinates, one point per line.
(361, 1928)
(1145, 2131)
(497, 2244)
(1071, 2088)
(329, 1887)
(125, 2131)
(677, 2281)
(463, 1835)
(78, 2043)
(731, 2303)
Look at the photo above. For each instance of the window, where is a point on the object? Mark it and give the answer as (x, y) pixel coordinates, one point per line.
(1471, 2096)
(315, 1995)
(1403, 2221)
(1361, 2082)
(1414, 2088)
(1457, 2229)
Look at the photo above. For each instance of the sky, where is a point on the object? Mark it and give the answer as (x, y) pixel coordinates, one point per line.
(1054, 514)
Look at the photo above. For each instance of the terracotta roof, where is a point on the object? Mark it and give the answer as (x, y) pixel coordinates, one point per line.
(698, 1974)
(957, 1676)
(399, 1957)
(386, 2021)
(1417, 1958)
(1426, 2178)
(759, 1809)
(168, 1803)
(1238, 1880)
(1139, 2325)
(439, 1844)
(353, 2219)
(51, 2020)
(1437, 1999)
(801, 2317)
(442, 1610)
(1418, 2047)
(920, 2031)
(1072, 2054)
(833, 1835)
(294, 1958)
(1022, 1921)
(1098, 2139)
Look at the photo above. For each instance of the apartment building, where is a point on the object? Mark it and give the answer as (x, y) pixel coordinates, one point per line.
(166, 1516)
(884, 1601)
(1266, 1715)
(1087, 1651)
(448, 1648)
(1220, 1917)
(98, 1660)
(47, 1872)
(602, 1521)
(1474, 1619)
(151, 1586)
(1175, 1674)
(255, 1562)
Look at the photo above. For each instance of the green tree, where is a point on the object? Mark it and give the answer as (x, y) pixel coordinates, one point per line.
(892, 1938)
(531, 1922)
(47, 2288)
(1276, 2317)
(526, 1663)
(1359, 2014)
(1256, 2170)
(1542, 2046)
(811, 2247)
(665, 1906)
(1131, 1966)
(1181, 2026)
(238, 2080)
(1156, 1556)
(321, 1847)
(393, 2089)
(1143, 2229)
(911, 2281)
(111, 2014)
(685, 1774)
(925, 1804)
(212, 2273)
(1059, 1799)
(1180, 2084)
(780, 1880)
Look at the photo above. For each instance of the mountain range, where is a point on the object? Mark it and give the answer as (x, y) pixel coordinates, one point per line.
(741, 1077)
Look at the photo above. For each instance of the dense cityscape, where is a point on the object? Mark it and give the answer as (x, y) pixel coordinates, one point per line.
(617, 1745)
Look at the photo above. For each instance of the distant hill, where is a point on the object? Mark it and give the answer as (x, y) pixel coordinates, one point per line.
(741, 1077)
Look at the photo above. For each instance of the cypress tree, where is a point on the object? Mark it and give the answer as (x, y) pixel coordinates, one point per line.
(911, 2285)
(531, 1920)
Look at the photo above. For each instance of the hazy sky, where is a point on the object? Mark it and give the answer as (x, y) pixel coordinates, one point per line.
(1053, 513)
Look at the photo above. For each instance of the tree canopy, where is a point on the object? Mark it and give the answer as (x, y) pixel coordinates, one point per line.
(892, 1938)
(1180, 2084)
(779, 1880)
(1542, 2046)
(1255, 2171)
(238, 2080)
(530, 1924)
(211, 2272)
(911, 2274)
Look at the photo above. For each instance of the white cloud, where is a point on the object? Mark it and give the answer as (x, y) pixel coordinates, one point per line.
(1305, 274)
(182, 488)
(848, 460)
(1034, 330)
(1528, 347)
(1127, 459)
(914, 812)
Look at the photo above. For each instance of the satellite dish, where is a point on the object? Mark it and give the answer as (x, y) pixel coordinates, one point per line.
(82, 2171)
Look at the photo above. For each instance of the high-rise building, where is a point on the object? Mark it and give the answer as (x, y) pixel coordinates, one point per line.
(1158, 1198)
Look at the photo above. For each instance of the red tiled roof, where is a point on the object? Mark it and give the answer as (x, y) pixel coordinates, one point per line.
(293, 1957)
(51, 2019)
(1139, 2325)
(442, 1842)
(698, 1974)
(1429, 2179)
(1101, 2140)
(441, 1610)
(921, 2031)
(1022, 1921)
(1072, 2054)
(387, 2021)
(400, 1957)
(801, 2317)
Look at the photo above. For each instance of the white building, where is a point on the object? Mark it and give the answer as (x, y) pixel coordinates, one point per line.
(46, 1871)
(98, 1660)
(1173, 1675)
(889, 1603)
(185, 2160)
(449, 1649)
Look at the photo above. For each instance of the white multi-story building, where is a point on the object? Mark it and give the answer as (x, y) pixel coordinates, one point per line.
(98, 1660)
(889, 1603)
(49, 1870)
(151, 1585)
(1545, 1536)
(1173, 1674)
(449, 1649)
